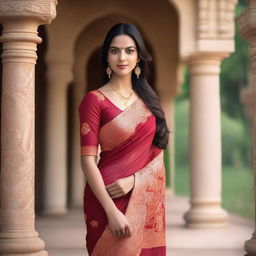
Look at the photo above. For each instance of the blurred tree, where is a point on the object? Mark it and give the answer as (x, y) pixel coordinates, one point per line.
(235, 73)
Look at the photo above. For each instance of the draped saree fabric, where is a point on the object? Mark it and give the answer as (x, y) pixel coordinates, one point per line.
(125, 138)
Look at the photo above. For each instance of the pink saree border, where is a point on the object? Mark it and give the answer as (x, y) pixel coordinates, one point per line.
(145, 213)
(89, 150)
(124, 125)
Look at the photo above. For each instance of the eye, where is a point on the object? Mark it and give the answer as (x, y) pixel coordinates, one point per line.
(113, 51)
(130, 50)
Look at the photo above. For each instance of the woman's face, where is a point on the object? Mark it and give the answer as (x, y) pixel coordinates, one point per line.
(122, 55)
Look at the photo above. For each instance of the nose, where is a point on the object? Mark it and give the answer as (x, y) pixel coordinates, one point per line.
(122, 56)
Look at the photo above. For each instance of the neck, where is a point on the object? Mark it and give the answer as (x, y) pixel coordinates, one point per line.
(121, 83)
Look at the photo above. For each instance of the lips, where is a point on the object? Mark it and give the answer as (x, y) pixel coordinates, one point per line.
(122, 66)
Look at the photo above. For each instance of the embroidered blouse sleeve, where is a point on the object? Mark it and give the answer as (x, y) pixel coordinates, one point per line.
(89, 115)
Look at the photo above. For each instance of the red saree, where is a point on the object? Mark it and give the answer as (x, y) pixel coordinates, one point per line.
(125, 137)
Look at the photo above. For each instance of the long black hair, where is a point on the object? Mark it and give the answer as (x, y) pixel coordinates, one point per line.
(141, 85)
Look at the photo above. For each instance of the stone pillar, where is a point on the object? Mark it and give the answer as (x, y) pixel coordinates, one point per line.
(205, 144)
(20, 21)
(77, 175)
(55, 183)
(247, 29)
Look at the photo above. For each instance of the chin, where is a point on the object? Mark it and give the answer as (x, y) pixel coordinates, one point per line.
(123, 73)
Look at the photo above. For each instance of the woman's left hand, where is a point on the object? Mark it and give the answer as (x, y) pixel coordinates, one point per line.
(120, 187)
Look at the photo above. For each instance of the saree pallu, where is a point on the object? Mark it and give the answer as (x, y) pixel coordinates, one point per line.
(126, 149)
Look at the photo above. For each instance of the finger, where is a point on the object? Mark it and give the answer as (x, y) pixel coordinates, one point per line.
(123, 232)
(117, 195)
(119, 233)
(111, 185)
(113, 193)
(128, 231)
(116, 192)
(113, 189)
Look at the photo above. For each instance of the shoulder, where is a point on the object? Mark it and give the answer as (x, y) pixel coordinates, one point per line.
(92, 98)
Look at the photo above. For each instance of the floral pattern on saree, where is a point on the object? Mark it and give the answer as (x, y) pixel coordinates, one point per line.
(85, 128)
(100, 96)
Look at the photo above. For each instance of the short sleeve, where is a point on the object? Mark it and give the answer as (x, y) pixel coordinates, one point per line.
(89, 115)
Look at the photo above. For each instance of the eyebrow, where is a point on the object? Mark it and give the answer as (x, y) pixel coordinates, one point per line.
(121, 47)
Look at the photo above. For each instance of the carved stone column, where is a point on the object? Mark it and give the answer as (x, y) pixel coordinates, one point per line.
(247, 29)
(55, 184)
(205, 144)
(20, 21)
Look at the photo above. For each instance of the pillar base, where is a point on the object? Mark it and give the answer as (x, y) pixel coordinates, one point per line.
(250, 245)
(29, 246)
(206, 217)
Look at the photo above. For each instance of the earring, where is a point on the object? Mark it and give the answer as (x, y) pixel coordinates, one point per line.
(109, 71)
(137, 71)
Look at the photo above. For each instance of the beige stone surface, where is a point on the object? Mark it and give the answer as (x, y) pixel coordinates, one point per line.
(17, 216)
(65, 235)
(205, 143)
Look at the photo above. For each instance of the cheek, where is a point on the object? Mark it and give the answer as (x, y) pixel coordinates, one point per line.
(133, 59)
(111, 59)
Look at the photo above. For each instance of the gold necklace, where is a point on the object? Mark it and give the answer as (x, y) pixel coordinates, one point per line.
(123, 98)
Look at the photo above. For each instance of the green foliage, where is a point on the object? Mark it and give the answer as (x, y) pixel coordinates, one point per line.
(185, 86)
(237, 191)
(233, 142)
(235, 72)
(234, 76)
(181, 132)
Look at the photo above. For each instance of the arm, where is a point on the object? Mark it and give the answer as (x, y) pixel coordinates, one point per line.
(121, 187)
(94, 179)
(118, 222)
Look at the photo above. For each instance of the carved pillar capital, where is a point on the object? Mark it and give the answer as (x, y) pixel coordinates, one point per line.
(216, 20)
(20, 21)
(216, 26)
(44, 11)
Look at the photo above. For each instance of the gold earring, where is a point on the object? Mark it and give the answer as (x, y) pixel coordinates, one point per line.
(137, 71)
(109, 71)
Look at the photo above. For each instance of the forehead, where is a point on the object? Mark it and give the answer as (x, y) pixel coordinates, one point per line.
(122, 41)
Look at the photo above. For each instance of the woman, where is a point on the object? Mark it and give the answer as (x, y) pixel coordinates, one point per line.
(124, 198)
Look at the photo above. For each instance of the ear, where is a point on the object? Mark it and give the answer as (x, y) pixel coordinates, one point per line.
(138, 60)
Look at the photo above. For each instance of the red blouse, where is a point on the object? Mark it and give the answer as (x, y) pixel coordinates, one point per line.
(95, 110)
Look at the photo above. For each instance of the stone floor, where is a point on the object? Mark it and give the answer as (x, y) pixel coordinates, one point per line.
(64, 235)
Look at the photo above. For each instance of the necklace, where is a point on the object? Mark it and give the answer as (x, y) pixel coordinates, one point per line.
(123, 98)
